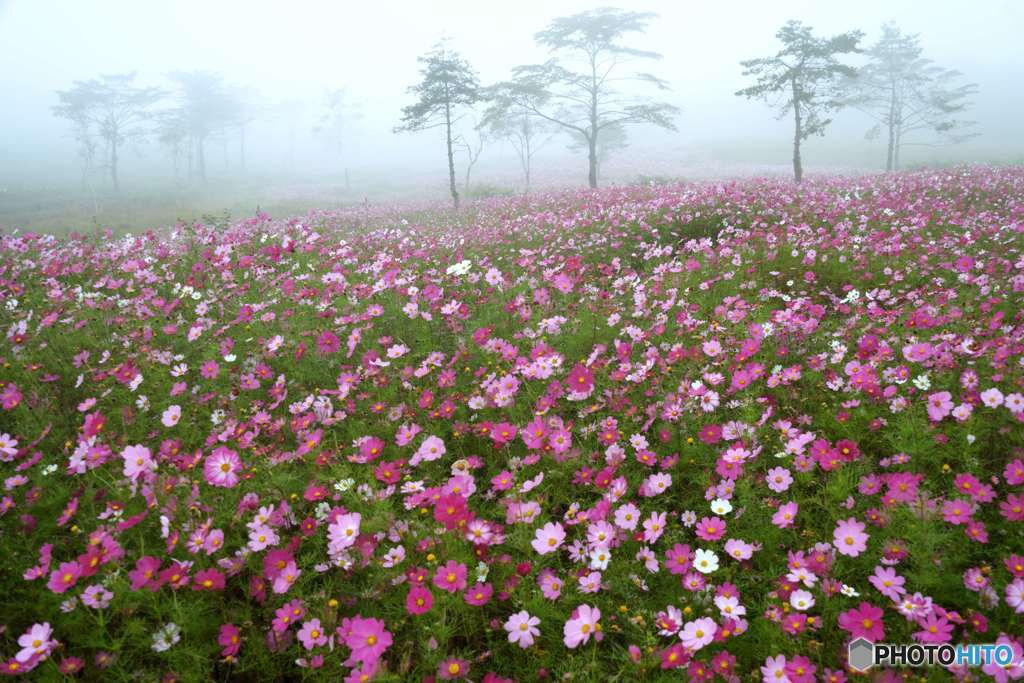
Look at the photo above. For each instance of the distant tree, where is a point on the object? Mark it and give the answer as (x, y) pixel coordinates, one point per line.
(247, 105)
(613, 139)
(577, 89)
(339, 114)
(519, 126)
(906, 93)
(802, 77)
(295, 114)
(172, 132)
(472, 144)
(448, 84)
(207, 106)
(113, 107)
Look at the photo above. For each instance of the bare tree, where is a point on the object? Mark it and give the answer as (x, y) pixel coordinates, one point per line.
(907, 94)
(114, 107)
(473, 145)
(802, 77)
(520, 127)
(578, 88)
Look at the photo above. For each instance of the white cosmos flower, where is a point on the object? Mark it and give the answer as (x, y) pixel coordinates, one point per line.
(721, 506)
(705, 561)
(460, 268)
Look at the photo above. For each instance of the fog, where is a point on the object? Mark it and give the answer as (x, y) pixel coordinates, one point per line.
(292, 54)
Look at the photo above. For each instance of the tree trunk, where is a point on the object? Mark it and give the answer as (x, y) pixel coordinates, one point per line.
(201, 142)
(451, 154)
(241, 147)
(113, 163)
(798, 169)
(592, 154)
(896, 152)
(892, 129)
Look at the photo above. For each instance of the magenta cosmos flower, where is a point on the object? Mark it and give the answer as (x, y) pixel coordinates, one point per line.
(863, 622)
(368, 639)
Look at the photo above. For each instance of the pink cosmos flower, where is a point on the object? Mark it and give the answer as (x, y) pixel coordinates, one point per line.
(710, 528)
(550, 584)
(451, 576)
(864, 621)
(478, 595)
(585, 621)
(939, 405)
(452, 668)
(221, 468)
(229, 639)
(934, 629)
(849, 537)
(698, 633)
(654, 526)
(312, 634)
(342, 532)
(368, 639)
(285, 578)
(738, 549)
(785, 515)
(993, 398)
(888, 582)
(1014, 671)
(35, 642)
(171, 416)
(522, 629)
(419, 600)
(64, 577)
(138, 462)
(779, 479)
(432, 448)
(1015, 595)
(548, 538)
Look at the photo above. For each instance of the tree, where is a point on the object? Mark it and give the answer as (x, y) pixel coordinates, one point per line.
(172, 132)
(803, 78)
(114, 107)
(207, 106)
(524, 130)
(335, 124)
(905, 93)
(448, 82)
(473, 147)
(577, 89)
(613, 139)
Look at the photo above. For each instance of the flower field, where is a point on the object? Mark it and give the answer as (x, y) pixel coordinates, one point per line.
(698, 431)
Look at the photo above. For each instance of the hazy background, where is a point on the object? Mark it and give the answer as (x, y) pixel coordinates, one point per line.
(292, 52)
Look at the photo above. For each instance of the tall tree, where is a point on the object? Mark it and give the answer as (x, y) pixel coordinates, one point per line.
(520, 127)
(448, 83)
(115, 106)
(906, 93)
(578, 88)
(613, 139)
(207, 105)
(803, 78)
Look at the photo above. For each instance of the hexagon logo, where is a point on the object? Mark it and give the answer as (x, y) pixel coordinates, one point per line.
(861, 654)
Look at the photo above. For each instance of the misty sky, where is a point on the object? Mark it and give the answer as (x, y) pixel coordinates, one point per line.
(294, 50)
